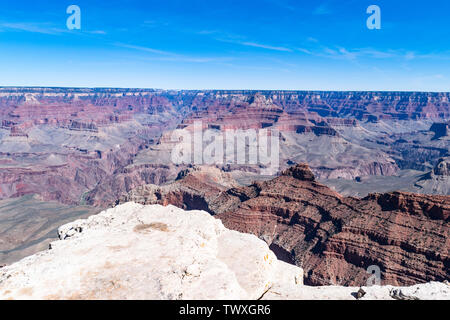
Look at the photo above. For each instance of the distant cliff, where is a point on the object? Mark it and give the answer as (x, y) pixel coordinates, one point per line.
(362, 105)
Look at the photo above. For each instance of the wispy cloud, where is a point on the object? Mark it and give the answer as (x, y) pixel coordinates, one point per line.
(208, 32)
(445, 55)
(42, 28)
(172, 56)
(311, 39)
(182, 58)
(337, 52)
(254, 44)
(264, 46)
(98, 32)
(423, 80)
(146, 49)
(304, 50)
(32, 27)
(314, 47)
(155, 23)
(241, 40)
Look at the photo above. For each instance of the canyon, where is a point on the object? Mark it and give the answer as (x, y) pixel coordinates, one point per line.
(90, 139)
(363, 177)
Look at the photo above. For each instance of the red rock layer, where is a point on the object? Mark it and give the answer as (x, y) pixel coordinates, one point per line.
(335, 238)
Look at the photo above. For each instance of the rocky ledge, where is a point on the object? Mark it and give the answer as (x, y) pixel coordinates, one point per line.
(135, 251)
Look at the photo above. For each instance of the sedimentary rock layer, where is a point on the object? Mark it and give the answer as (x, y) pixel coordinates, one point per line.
(335, 238)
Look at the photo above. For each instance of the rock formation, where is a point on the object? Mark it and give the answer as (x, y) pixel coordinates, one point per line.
(332, 237)
(154, 252)
(193, 189)
(335, 238)
(148, 252)
(442, 168)
(437, 180)
(440, 129)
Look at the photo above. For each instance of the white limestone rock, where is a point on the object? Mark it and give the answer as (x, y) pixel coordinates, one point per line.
(425, 291)
(146, 252)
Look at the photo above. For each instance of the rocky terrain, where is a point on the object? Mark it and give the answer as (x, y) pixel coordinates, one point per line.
(154, 252)
(335, 238)
(72, 139)
(194, 189)
(332, 237)
(71, 152)
(91, 140)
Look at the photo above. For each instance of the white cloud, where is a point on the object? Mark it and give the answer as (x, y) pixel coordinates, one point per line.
(410, 56)
(304, 50)
(358, 53)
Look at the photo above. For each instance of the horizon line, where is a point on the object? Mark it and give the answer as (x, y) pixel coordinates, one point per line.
(225, 90)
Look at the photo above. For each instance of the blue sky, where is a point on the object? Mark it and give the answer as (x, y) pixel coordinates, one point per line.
(228, 44)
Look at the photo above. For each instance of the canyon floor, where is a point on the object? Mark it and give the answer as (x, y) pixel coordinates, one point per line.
(29, 224)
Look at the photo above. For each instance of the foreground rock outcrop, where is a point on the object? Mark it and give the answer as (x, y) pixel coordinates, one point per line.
(148, 252)
(153, 252)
